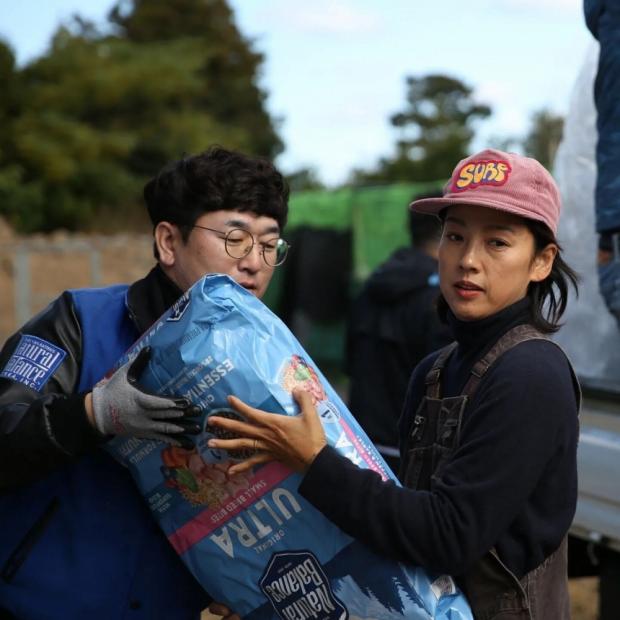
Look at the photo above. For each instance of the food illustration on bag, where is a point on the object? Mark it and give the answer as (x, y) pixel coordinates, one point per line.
(298, 374)
(199, 482)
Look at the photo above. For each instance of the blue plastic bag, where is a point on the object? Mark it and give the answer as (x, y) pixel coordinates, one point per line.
(251, 540)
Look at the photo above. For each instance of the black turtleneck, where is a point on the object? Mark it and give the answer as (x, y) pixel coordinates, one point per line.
(475, 339)
(512, 482)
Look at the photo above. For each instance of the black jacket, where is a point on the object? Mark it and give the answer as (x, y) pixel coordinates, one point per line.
(393, 325)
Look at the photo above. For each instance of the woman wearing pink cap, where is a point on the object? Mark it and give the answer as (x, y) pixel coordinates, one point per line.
(489, 428)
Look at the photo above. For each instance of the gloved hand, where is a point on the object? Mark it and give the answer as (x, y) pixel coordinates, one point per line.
(122, 407)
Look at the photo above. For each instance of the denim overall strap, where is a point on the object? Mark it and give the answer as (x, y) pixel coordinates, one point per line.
(432, 379)
(512, 337)
(493, 591)
(435, 430)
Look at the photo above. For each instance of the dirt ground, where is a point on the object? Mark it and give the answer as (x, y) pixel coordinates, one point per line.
(584, 598)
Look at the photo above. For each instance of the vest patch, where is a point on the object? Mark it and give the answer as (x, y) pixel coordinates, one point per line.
(33, 362)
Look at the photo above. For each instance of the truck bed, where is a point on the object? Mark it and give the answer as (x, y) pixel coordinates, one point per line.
(598, 507)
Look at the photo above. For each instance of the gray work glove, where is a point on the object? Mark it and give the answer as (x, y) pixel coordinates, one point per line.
(122, 407)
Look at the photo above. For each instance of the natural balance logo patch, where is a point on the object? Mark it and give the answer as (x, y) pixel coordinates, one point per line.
(298, 588)
(33, 362)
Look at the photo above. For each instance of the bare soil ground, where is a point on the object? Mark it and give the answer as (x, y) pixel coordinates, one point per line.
(584, 598)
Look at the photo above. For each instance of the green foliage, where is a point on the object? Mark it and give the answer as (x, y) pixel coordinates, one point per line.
(544, 137)
(85, 125)
(21, 203)
(160, 20)
(304, 179)
(9, 102)
(436, 129)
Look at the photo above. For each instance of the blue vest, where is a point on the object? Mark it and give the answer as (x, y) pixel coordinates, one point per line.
(100, 554)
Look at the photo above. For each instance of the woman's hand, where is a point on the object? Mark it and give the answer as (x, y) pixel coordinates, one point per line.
(293, 440)
(219, 609)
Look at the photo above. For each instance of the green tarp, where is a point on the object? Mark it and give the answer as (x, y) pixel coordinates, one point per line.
(376, 215)
(377, 219)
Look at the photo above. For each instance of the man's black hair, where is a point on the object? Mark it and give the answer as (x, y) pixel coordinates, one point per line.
(216, 179)
(424, 228)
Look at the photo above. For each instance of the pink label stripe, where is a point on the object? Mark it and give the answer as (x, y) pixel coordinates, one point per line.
(372, 464)
(213, 518)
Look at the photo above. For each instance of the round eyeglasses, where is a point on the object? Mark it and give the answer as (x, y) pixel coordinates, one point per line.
(239, 242)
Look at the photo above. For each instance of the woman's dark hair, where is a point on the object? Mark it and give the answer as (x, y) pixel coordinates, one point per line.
(548, 297)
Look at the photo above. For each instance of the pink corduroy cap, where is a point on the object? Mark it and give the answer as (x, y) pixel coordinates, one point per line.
(504, 181)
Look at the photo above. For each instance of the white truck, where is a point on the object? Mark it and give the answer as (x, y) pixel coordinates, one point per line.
(591, 338)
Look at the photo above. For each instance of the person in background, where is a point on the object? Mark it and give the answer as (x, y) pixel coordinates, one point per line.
(489, 430)
(603, 20)
(393, 324)
(78, 540)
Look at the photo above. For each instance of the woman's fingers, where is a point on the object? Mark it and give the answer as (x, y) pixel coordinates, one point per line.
(235, 426)
(292, 440)
(308, 410)
(219, 609)
(230, 445)
(249, 413)
(307, 406)
(303, 397)
(243, 466)
(241, 443)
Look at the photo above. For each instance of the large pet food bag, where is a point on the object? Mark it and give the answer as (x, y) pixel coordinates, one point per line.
(251, 540)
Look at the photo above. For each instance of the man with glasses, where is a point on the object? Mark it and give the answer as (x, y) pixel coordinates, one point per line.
(77, 539)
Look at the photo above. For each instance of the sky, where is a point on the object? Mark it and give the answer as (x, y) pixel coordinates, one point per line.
(335, 70)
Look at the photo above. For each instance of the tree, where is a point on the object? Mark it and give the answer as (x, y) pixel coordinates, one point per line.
(9, 78)
(100, 112)
(544, 137)
(436, 128)
(304, 179)
(229, 66)
(16, 197)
